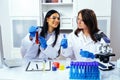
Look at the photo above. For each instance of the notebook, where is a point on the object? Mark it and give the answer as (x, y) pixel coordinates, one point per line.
(11, 63)
(7, 62)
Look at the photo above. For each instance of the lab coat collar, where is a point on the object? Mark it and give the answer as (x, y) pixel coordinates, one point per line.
(85, 39)
(51, 38)
(50, 33)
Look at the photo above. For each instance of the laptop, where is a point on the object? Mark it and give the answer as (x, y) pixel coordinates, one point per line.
(11, 63)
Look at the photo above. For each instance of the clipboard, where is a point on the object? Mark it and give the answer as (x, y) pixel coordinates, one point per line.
(38, 66)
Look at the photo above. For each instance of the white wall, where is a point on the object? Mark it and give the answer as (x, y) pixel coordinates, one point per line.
(115, 28)
(5, 24)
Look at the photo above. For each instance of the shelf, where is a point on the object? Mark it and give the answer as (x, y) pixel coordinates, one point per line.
(66, 30)
(66, 23)
(58, 4)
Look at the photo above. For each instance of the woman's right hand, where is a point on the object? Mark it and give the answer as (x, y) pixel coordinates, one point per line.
(64, 42)
(86, 54)
(32, 31)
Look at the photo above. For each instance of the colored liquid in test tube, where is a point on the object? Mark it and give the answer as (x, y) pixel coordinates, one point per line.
(37, 41)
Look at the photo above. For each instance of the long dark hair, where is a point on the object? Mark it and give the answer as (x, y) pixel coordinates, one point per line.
(45, 26)
(89, 18)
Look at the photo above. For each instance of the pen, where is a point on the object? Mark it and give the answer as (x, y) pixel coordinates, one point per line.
(44, 66)
(37, 66)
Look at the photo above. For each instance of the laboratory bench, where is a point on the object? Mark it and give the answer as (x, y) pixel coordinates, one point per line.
(27, 72)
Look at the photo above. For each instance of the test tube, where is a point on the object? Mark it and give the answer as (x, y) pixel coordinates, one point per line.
(37, 41)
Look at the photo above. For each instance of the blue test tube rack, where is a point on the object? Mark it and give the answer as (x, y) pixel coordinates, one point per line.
(84, 71)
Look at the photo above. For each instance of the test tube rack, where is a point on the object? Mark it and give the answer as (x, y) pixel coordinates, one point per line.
(84, 71)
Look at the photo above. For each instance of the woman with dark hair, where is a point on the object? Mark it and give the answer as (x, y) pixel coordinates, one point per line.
(83, 38)
(49, 39)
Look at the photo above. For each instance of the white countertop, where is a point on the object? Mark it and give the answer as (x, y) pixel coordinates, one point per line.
(20, 73)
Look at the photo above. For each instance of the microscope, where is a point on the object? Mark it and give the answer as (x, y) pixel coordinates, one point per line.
(103, 57)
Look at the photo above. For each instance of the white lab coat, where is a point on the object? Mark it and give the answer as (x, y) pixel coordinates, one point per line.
(29, 49)
(81, 42)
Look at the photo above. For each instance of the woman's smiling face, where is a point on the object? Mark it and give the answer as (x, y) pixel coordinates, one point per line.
(53, 20)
